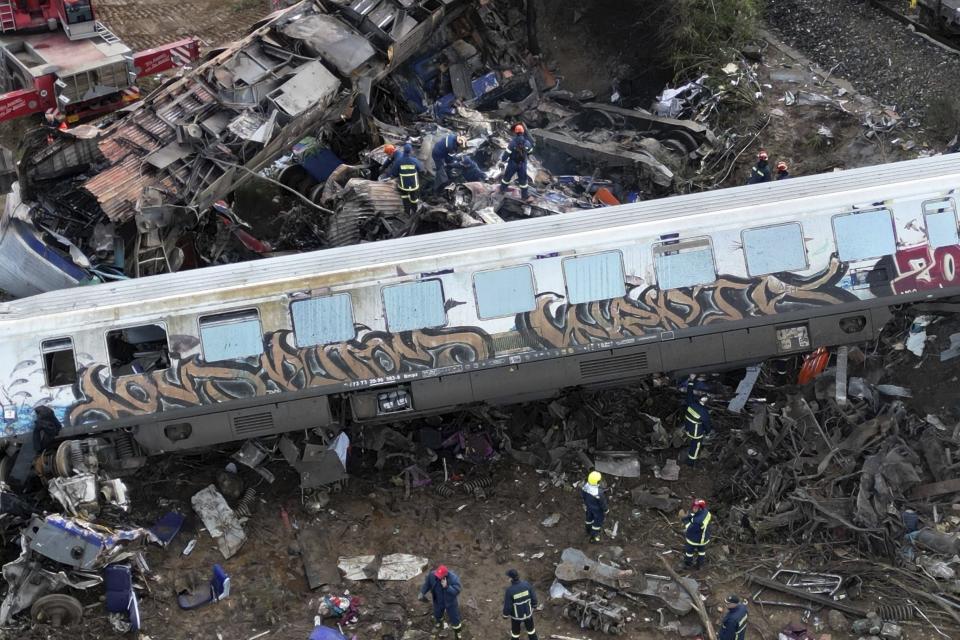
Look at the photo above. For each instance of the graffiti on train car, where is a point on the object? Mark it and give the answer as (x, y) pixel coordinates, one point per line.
(648, 310)
(191, 381)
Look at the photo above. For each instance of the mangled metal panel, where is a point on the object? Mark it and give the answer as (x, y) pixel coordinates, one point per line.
(312, 85)
(27, 265)
(326, 37)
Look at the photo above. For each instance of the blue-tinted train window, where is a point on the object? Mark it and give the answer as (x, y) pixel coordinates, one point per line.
(504, 292)
(941, 219)
(231, 336)
(774, 249)
(595, 277)
(863, 236)
(322, 320)
(414, 305)
(684, 264)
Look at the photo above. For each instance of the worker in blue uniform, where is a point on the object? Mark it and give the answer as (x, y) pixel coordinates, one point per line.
(519, 601)
(734, 625)
(760, 171)
(408, 170)
(595, 502)
(696, 421)
(443, 152)
(782, 172)
(444, 587)
(516, 155)
(696, 534)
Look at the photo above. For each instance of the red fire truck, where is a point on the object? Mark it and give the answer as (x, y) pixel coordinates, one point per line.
(57, 58)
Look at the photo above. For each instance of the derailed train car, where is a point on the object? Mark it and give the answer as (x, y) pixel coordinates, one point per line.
(403, 328)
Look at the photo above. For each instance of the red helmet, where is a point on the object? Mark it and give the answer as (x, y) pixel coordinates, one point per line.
(762, 155)
(389, 149)
(441, 572)
(781, 166)
(518, 129)
(699, 503)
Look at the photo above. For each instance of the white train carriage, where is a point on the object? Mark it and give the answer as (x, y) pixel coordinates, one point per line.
(396, 329)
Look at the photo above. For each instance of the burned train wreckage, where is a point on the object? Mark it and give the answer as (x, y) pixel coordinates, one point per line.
(312, 84)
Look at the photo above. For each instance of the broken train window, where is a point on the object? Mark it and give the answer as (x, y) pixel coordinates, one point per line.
(139, 349)
(684, 264)
(59, 363)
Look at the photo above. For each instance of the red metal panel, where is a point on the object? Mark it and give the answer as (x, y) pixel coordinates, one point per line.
(168, 56)
(17, 104)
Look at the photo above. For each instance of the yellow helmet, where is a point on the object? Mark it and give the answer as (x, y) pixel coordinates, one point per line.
(594, 478)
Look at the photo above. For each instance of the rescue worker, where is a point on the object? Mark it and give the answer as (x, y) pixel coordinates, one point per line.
(387, 166)
(519, 601)
(516, 158)
(443, 151)
(734, 625)
(696, 421)
(696, 534)
(760, 171)
(596, 505)
(782, 173)
(444, 587)
(408, 168)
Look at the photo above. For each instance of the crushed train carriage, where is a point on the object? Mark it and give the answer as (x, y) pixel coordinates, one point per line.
(107, 204)
(408, 327)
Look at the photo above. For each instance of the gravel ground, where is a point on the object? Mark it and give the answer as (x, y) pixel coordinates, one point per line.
(880, 56)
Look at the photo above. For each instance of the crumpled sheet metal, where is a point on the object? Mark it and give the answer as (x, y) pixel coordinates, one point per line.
(79, 544)
(394, 567)
(27, 581)
(220, 520)
(575, 565)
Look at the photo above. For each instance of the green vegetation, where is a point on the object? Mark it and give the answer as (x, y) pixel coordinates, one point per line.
(699, 31)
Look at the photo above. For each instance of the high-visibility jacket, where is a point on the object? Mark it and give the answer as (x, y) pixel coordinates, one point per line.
(696, 418)
(519, 600)
(734, 625)
(697, 531)
(409, 172)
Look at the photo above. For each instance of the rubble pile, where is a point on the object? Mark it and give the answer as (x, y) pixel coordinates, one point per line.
(302, 111)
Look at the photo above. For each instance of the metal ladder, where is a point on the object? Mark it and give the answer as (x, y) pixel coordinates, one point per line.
(8, 21)
(151, 255)
(102, 30)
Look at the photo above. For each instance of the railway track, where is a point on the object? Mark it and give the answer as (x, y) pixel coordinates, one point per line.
(951, 43)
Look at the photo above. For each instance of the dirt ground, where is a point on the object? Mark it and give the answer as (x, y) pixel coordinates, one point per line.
(144, 24)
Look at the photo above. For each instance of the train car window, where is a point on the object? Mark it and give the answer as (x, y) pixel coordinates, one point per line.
(231, 336)
(684, 264)
(322, 320)
(941, 219)
(774, 249)
(863, 236)
(59, 362)
(594, 277)
(138, 349)
(414, 305)
(504, 292)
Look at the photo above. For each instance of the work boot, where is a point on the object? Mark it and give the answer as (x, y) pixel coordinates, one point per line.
(594, 539)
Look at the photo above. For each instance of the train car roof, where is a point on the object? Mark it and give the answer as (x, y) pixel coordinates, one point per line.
(271, 270)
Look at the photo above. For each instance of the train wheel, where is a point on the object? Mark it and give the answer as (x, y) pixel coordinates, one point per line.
(57, 610)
